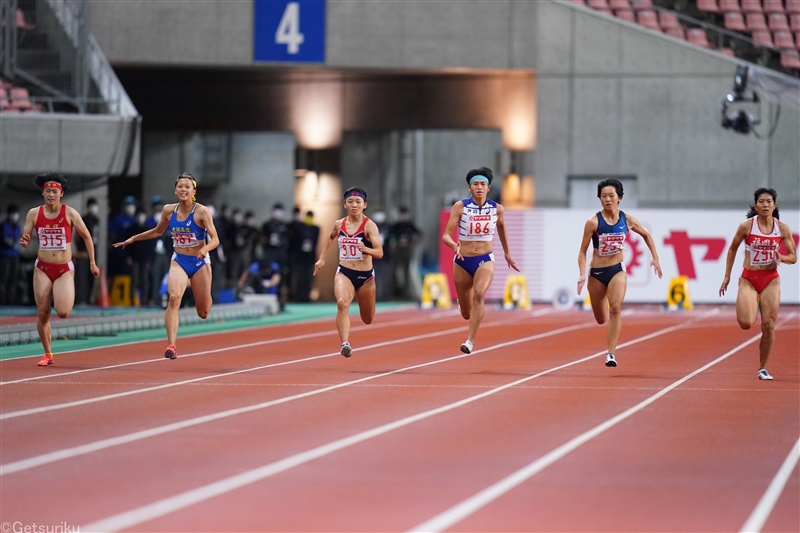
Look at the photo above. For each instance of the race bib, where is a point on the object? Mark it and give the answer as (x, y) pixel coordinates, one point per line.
(762, 255)
(348, 249)
(184, 240)
(53, 239)
(479, 226)
(610, 243)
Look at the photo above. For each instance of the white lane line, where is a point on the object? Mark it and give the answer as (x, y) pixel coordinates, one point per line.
(206, 352)
(86, 401)
(180, 501)
(472, 504)
(767, 502)
(39, 460)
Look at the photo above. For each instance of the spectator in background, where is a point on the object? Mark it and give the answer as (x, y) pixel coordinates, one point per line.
(303, 238)
(261, 277)
(84, 280)
(140, 259)
(383, 280)
(276, 247)
(161, 252)
(403, 238)
(9, 256)
(218, 258)
(224, 225)
(238, 237)
(118, 231)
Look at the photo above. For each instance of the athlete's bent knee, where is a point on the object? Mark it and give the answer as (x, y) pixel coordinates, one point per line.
(744, 324)
(175, 300)
(768, 327)
(615, 309)
(63, 314)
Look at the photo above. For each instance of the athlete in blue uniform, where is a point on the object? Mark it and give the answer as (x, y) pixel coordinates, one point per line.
(193, 237)
(359, 241)
(477, 218)
(607, 231)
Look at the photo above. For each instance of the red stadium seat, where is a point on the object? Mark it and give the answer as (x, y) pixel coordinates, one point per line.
(602, 5)
(20, 99)
(678, 33)
(647, 18)
(625, 14)
(729, 5)
(698, 36)
(793, 6)
(773, 6)
(788, 61)
(794, 21)
(762, 38)
(797, 39)
(734, 21)
(783, 39)
(777, 21)
(619, 4)
(709, 6)
(667, 20)
(751, 6)
(756, 21)
(642, 4)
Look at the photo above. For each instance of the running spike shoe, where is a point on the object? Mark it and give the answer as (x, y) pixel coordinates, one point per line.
(347, 350)
(467, 347)
(610, 361)
(47, 359)
(763, 374)
(171, 352)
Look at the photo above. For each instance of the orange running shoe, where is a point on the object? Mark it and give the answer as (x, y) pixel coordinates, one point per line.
(171, 352)
(47, 359)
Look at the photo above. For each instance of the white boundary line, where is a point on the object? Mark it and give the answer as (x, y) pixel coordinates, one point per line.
(767, 502)
(191, 497)
(472, 504)
(38, 460)
(46, 408)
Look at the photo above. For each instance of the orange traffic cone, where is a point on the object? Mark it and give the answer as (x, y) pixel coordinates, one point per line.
(102, 295)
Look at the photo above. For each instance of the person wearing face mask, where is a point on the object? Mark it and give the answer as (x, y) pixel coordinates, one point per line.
(303, 238)
(117, 231)
(276, 247)
(9, 256)
(140, 258)
(84, 281)
(161, 252)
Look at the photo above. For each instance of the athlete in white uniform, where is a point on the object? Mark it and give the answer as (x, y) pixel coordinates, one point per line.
(477, 218)
(762, 234)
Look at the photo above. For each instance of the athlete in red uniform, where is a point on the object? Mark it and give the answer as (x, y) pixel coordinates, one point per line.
(54, 275)
(359, 241)
(762, 234)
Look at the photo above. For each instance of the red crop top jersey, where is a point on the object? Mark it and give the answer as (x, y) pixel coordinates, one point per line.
(53, 234)
(763, 247)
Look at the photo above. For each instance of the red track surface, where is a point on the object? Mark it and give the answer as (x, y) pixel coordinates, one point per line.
(698, 458)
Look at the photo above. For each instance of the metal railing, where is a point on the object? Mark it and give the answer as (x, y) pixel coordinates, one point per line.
(99, 69)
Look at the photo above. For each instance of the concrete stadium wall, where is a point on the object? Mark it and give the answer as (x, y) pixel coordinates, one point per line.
(610, 97)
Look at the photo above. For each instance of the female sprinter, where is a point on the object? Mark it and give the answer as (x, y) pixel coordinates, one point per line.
(762, 234)
(473, 265)
(607, 278)
(54, 275)
(190, 223)
(359, 242)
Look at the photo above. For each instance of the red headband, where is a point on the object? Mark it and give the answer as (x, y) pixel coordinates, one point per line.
(53, 185)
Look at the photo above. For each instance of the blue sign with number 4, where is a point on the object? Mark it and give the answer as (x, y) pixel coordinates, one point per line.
(289, 31)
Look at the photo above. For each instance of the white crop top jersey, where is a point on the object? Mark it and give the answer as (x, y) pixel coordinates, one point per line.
(477, 222)
(763, 247)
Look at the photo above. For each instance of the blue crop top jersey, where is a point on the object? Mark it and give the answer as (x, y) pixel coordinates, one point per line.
(609, 239)
(186, 233)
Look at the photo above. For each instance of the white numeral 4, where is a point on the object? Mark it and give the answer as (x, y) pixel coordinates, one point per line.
(288, 31)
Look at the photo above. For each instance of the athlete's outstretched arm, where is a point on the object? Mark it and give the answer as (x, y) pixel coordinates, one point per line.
(634, 225)
(788, 241)
(327, 245)
(501, 233)
(455, 216)
(588, 230)
(153, 233)
(741, 234)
